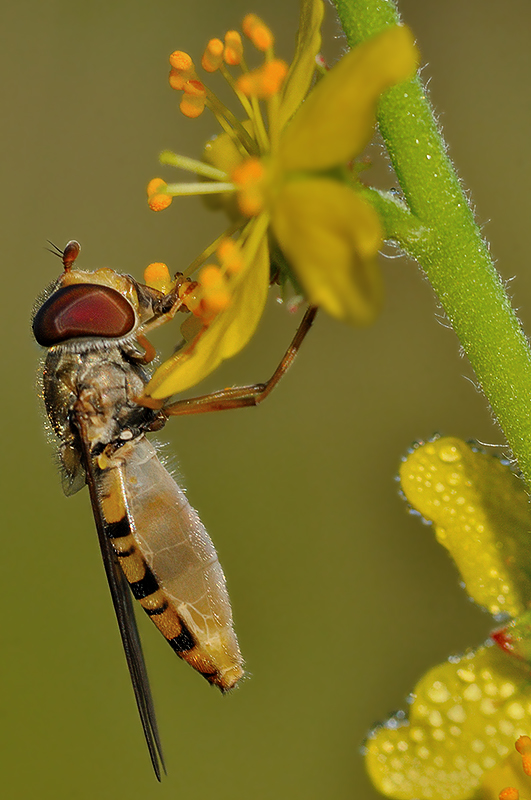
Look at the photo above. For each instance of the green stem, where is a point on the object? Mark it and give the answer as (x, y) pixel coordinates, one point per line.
(447, 242)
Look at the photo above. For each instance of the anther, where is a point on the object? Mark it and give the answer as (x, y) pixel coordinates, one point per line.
(193, 101)
(249, 177)
(510, 793)
(230, 256)
(233, 52)
(182, 70)
(213, 56)
(257, 31)
(265, 81)
(157, 275)
(181, 61)
(523, 745)
(216, 296)
(158, 199)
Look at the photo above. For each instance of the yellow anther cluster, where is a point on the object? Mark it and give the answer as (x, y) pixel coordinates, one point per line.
(183, 78)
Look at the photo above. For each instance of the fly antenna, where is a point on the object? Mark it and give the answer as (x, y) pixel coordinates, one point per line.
(68, 255)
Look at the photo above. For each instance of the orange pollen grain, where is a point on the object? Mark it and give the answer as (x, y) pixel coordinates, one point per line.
(257, 31)
(213, 55)
(510, 793)
(156, 186)
(233, 48)
(158, 202)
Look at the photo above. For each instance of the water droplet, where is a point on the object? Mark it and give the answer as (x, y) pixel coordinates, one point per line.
(516, 711)
(456, 713)
(438, 693)
(472, 692)
(449, 453)
(435, 719)
(466, 675)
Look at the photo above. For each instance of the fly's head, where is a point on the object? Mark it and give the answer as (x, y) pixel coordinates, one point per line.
(89, 309)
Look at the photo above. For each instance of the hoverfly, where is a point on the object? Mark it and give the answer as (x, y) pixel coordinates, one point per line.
(153, 544)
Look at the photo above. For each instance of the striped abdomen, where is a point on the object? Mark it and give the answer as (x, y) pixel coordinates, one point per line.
(169, 560)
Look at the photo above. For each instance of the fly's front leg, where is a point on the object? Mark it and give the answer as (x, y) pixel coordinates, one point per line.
(242, 396)
(164, 310)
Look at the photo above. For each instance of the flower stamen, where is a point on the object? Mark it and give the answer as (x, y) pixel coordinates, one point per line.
(257, 31)
(158, 196)
(233, 48)
(213, 56)
(192, 165)
(523, 745)
(265, 81)
(249, 179)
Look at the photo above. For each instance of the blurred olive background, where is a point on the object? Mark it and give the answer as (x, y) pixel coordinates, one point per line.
(341, 600)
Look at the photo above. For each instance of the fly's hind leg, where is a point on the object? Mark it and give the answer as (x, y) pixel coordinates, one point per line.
(242, 396)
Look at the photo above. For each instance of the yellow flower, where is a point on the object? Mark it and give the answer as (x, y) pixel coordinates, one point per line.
(285, 179)
(457, 740)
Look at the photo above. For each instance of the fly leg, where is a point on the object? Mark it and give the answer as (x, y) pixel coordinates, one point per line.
(242, 396)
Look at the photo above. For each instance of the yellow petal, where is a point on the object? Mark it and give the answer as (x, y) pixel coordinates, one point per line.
(226, 336)
(464, 720)
(331, 236)
(481, 514)
(303, 65)
(337, 120)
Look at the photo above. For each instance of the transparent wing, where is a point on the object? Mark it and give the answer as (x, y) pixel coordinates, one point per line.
(123, 607)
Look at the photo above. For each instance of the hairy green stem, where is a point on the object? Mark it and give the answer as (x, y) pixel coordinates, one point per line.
(439, 231)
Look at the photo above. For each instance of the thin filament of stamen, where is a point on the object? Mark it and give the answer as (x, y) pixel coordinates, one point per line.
(273, 107)
(207, 252)
(232, 83)
(192, 165)
(257, 114)
(251, 109)
(182, 189)
(225, 117)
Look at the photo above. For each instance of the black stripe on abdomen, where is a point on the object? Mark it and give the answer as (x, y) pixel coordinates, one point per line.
(184, 641)
(116, 530)
(145, 586)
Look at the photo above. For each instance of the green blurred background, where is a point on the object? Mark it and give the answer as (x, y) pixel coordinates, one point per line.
(341, 600)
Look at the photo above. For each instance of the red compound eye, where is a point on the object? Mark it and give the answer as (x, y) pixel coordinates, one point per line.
(80, 310)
